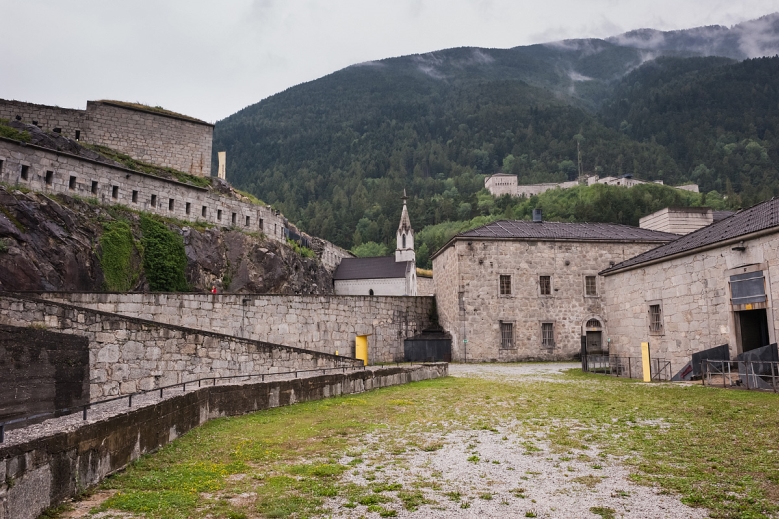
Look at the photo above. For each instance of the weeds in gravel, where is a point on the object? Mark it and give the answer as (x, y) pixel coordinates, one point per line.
(603, 511)
(715, 448)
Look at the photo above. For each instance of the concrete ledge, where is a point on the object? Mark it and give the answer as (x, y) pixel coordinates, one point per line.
(46, 471)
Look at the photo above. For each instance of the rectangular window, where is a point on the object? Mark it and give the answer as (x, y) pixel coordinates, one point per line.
(590, 286)
(2, 163)
(219, 214)
(233, 219)
(25, 172)
(171, 204)
(261, 227)
(94, 187)
(135, 196)
(655, 319)
(204, 211)
(78, 135)
(547, 335)
(747, 288)
(154, 200)
(72, 183)
(506, 335)
(248, 220)
(115, 192)
(49, 177)
(187, 207)
(505, 285)
(545, 285)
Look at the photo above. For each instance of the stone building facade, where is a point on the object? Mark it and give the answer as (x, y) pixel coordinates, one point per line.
(520, 290)
(715, 286)
(152, 135)
(501, 184)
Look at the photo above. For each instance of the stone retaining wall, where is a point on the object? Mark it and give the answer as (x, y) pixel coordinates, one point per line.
(128, 354)
(315, 323)
(46, 471)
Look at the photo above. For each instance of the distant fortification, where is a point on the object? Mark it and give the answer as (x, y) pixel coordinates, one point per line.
(150, 134)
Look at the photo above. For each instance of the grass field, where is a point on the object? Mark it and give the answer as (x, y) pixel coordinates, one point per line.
(710, 448)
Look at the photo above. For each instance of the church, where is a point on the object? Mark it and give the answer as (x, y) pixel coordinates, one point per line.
(383, 276)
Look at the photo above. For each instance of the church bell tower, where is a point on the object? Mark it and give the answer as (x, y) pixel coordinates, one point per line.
(405, 236)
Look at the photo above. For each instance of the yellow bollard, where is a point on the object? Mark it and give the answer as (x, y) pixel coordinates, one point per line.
(645, 362)
(361, 348)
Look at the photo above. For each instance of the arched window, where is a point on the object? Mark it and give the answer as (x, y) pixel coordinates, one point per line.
(404, 241)
(370, 292)
(593, 323)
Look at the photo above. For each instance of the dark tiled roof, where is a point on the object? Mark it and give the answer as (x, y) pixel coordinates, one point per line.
(371, 268)
(760, 217)
(524, 229)
(721, 215)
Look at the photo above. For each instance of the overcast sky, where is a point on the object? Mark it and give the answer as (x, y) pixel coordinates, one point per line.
(209, 59)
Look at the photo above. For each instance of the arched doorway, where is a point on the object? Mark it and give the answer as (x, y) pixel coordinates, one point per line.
(593, 333)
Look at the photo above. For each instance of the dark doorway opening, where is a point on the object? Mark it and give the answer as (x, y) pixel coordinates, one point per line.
(753, 328)
(594, 343)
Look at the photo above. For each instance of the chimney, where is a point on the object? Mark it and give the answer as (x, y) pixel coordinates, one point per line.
(537, 216)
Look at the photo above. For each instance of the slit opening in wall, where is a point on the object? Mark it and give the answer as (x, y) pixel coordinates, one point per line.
(72, 183)
(115, 192)
(2, 163)
(261, 225)
(171, 204)
(232, 220)
(218, 214)
(154, 200)
(187, 207)
(203, 212)
(78, 135)
(25, 172)
(248, 220)
(135, 197)
(49, 178)
(94, 187)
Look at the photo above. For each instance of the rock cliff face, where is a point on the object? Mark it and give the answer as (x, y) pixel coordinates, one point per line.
(53, 243)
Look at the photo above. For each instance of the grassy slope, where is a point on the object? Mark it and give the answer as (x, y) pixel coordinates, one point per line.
(717, 449)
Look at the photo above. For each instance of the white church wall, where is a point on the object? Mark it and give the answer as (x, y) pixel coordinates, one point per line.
(380, 287)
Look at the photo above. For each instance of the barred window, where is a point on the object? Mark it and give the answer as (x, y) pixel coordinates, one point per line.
(590, 286)
(545, 285)
(505, 285)
(655, 319)
(547, 335)
(506, 335)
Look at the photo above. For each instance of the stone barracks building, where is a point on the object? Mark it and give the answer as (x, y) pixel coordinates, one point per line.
(711, 287)
(522, 290)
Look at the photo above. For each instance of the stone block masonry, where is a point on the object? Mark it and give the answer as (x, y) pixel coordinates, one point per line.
(129, 354)
(315, 323)
(159, 137)
(51, 172)
(42, 472)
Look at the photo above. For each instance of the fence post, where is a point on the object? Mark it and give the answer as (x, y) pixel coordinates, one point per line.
(2, 433)
(85, 412)
(130, 400)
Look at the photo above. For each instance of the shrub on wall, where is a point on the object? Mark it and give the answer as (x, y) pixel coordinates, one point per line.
(116, 250)
(164, 259)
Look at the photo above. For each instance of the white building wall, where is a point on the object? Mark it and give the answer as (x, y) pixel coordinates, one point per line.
(380, 287)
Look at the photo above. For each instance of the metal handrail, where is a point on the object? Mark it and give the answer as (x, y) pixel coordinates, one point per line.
(750, 379)
(85, 407)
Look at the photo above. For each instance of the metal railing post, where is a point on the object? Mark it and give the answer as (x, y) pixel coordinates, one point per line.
(85, 412)
(2, 433)
(130, 400)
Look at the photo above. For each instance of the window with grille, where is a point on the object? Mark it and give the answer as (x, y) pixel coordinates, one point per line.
(590, 286)
(547, 335)
(545, 284)
(655, 319)
(505, 285)
(506, 335)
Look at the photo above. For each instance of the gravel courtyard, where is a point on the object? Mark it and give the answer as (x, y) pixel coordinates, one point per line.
(497, 440)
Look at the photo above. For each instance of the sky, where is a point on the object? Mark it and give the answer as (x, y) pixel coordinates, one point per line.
(210, 59)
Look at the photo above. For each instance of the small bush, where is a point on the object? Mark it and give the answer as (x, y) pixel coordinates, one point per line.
(117, 246)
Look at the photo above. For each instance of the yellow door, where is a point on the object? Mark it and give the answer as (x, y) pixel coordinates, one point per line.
(361, 348)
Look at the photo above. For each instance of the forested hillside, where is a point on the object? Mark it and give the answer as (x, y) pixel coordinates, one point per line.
(335, 154)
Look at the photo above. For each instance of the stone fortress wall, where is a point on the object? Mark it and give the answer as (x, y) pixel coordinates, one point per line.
(49, 171)
(127, 354)
(162, 139)
(313, 323)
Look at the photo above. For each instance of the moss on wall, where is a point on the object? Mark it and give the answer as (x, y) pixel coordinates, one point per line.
(164, 258)
(116, 250)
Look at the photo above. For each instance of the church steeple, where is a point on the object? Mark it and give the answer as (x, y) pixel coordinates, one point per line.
(405, 237)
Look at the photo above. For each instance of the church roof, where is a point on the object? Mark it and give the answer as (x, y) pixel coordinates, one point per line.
(761, 217)
(383, 267)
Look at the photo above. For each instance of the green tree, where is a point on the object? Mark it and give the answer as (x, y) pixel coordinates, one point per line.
(370, 249)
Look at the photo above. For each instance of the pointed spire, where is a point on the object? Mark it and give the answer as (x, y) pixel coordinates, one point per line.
(405, 221)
